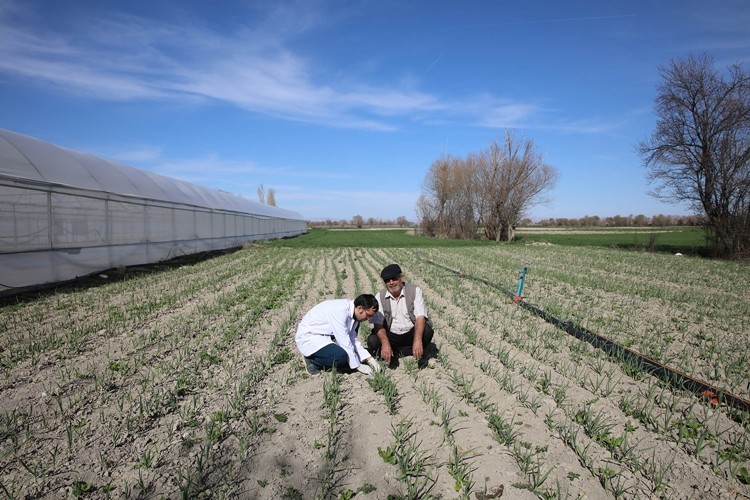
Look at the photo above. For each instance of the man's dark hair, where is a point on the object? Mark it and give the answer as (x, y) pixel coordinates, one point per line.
(366, 300)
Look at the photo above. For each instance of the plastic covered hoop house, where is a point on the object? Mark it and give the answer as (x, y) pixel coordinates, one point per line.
(65, 214)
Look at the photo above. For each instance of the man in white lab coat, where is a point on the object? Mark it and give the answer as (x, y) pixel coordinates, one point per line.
(327, 335)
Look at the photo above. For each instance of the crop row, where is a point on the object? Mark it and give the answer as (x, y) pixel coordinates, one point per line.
(186, 382)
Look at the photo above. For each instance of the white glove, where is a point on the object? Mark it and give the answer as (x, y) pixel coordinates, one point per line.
(374, 364)
(364, 369)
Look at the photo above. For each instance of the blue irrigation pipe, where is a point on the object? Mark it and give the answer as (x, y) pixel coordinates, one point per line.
(674, 377)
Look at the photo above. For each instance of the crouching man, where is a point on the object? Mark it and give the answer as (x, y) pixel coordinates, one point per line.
(402, 327)
(327, 336)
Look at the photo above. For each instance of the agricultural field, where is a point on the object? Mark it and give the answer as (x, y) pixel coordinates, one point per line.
(686, 240)
(185, 383)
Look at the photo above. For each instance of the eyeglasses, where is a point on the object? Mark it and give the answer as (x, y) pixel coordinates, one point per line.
(393, 278)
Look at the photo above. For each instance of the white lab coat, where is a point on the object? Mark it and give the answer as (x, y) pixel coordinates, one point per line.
(331, 318)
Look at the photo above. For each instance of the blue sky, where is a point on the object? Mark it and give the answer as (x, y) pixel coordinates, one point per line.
(342, 106)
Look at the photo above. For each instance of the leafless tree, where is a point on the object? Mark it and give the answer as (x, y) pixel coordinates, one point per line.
(427, 216)
(511, 178)
(699, 152)
(271, 197)
(446, 208)
(493, 189)
(358, 221)
(261, 194)
(465, 207)
(438, 193)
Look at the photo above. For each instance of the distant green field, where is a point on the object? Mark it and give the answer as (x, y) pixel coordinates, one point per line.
(690, 240)
(378, 238)
(684, 240)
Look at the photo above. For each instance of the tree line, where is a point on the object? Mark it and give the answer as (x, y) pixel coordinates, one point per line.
(640, 220)
(360, 222)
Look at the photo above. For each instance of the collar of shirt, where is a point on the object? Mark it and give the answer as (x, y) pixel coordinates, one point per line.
(388, 294)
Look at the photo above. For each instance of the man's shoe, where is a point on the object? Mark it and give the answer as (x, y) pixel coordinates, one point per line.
(312, 368)
(431, 350)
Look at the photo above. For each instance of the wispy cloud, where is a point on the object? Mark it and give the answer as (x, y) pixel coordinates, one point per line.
(216, 171)
(123, 57)
(588, 126)
(508, 115)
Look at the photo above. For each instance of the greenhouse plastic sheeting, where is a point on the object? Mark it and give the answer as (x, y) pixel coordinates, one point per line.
(65, 214)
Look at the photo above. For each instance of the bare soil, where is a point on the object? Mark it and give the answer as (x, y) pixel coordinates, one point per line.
(178, 384)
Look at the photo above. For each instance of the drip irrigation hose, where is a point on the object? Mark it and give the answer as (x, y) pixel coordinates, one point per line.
(619, 352)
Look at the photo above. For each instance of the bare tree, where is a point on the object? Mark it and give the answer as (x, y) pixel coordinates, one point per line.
(446, 208)
(427, 216)
(494, 189)
(511, 178)
(358, 221)
(261, 194)
(271, 197)
(437, 197)
(699, 152)
(464, 207)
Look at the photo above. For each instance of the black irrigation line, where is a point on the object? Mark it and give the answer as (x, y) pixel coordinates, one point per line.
(619, 352)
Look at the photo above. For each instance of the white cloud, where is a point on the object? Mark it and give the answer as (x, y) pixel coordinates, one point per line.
(124, 57)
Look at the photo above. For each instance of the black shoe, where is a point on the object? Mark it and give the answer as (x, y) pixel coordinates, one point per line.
(312, 369)
(431, 350)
